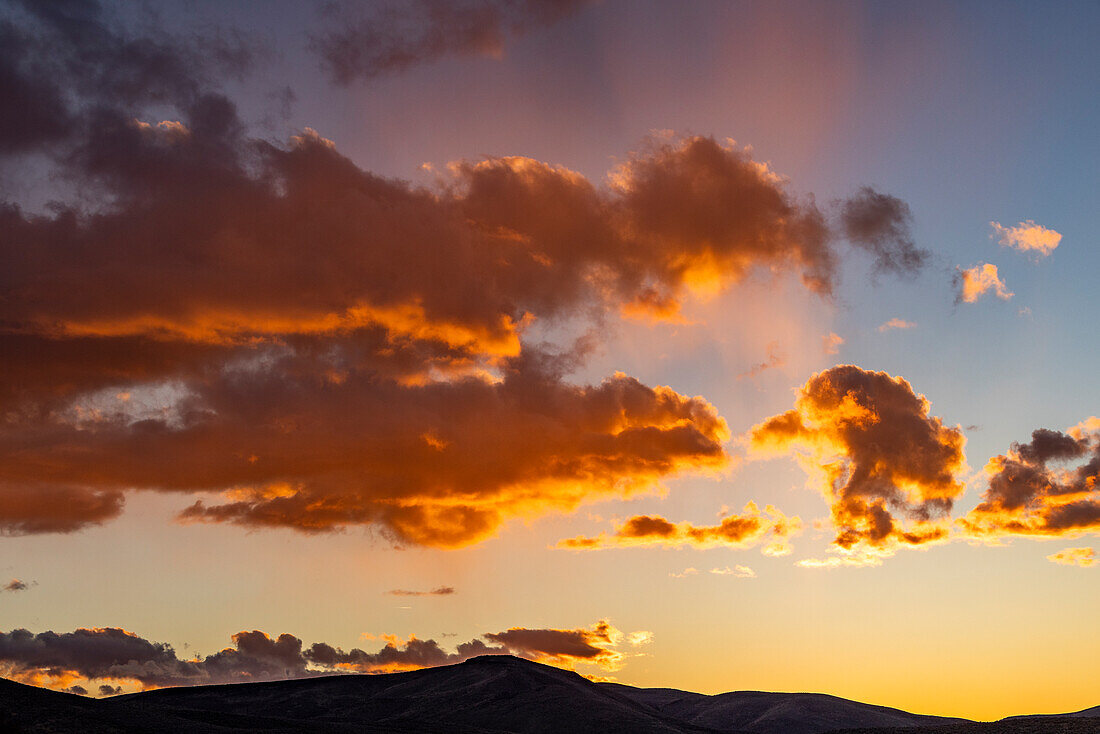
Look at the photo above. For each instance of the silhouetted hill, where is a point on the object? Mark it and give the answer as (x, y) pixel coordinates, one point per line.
(774, 713)
(486, 695)
(1015, 725)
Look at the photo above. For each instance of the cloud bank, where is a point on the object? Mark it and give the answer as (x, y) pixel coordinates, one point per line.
(115, 656)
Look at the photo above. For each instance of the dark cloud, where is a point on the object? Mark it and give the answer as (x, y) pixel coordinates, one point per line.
(1037, 489)
(396, 36)
(78, 690)
(60, 61)
(869, 442)
(15, 585)
(112, 654)
(31, 507)
(438, 591)
(739, 531)
(880, 224)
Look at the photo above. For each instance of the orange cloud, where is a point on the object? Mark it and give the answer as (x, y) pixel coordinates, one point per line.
(874, 452)
(1082, 557)
(895, 323)
(830, 343)
(1027, 237)
(1049, 486)
(980, 279)
(737, 531)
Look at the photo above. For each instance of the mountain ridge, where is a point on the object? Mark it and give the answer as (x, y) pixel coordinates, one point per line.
(496, 694)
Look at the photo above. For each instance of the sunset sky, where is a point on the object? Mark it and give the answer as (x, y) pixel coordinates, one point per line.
(708, 345)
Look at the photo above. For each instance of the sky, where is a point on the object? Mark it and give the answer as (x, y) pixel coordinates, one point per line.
(709, 345)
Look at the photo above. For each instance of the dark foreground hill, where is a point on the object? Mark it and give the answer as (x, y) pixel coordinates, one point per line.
(487, 695)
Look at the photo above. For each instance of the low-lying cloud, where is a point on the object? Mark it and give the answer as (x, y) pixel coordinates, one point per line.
(114, 656)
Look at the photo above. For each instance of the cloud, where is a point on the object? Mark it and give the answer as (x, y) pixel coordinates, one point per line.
(973, 282)
(438, 591)
(397, 36)
(843, 558)
(1046, 487)
(15, 585)
(59, 61)
(895, 323)
(880, 224)
(113, 655)
(1082, 557)
(741, 572)
(311, 346)
(872, 449)
(736, 531)
(1027, 237)
(774, 360)
(689, 571)
(831, 342)
(273, 380)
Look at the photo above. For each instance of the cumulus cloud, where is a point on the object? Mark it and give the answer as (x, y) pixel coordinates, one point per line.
(1049, 486)
(15, 585)
(888, 469)
(973, 282)
(304, 344)
(1027, 237)
(374, 348)
(113, 655)
(438, 591)
(395, 36)
(1082, 557)
(880, 224)
(895, 323)
(749, 528)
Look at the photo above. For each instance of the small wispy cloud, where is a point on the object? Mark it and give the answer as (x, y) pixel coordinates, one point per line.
(774, 360)
(830, 343)
(741, 572)
(896, 323)
(16, 585)
(1027, 237)
(438, 591)
(1081, 557)
(689, 571)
